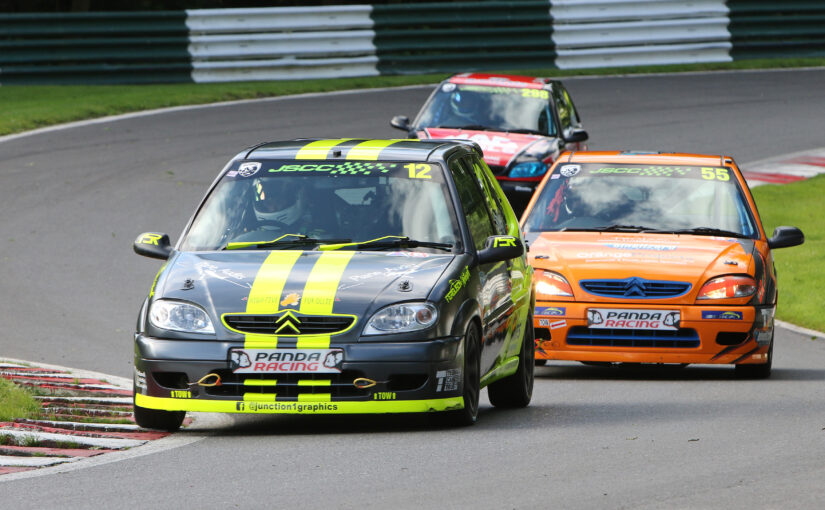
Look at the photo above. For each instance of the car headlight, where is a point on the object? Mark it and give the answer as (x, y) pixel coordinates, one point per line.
(178, 316)
(727, 287)
(550, 285)
(401, 318)
(528, 169)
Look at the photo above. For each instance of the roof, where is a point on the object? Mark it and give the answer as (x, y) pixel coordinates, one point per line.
(355, 149)
(499, 80)
(643, 158)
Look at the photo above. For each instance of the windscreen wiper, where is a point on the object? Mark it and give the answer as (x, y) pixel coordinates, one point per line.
(526, 131)
(610, 228)
(284, 241)
(387, 242)
(705, 231)
(475, 127)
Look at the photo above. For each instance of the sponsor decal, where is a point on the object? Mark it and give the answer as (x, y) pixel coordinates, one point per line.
(555, 176)
(544, 322)
(343, 168)
(248, 169)
(558, 324)
(718, 314)
(383, 395)
(448, 87)
(634, 246)
(654, 171)
(570, 170)
(417, 254)
(292, 299)
(181, 394)
(140, 381)
(615, 318)
(150, 239)
(232, 173)
(285, 361)
(299, 407)
(458, 284)
(498, 242)
(448, 380)
(558, 311)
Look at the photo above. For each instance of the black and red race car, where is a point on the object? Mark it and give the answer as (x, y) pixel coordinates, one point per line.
(521, 123)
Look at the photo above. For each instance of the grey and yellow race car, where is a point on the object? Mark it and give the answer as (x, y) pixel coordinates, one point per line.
(339, 276)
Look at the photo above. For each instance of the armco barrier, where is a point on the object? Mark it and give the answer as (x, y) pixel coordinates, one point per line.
(463, 36)
(768, 29)
(212, 45)
(605, 33)
(281, 43)
(104, 47)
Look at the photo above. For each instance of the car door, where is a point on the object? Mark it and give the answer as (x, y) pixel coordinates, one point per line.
(512, 277)
(494, 278)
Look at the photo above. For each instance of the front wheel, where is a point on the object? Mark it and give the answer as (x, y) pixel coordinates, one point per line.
(517, 390)
(762, 371)
(471, 383)
(169, 421)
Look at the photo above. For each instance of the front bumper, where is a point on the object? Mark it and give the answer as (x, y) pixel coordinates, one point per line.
(402, 377)
(562, 333)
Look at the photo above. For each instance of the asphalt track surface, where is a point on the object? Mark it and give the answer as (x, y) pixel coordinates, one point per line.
(72, 201)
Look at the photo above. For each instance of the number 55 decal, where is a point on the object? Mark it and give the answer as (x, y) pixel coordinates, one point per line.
(720, 174)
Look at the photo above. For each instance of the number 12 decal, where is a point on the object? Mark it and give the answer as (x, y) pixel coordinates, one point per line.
(418, 171)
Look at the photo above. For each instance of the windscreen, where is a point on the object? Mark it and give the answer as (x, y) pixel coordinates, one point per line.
(479, 107)
(598, 195)
(262, 200)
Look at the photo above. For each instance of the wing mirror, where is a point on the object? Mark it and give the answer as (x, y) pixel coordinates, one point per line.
(401, 122)
(500, 248)
(576, 136)
(784, 237)
(155, 245)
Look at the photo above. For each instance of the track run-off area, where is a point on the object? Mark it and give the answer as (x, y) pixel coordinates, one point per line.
(73, 200)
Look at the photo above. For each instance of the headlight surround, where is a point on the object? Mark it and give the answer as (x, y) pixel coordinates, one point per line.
(727, 287)
(551, 285)
(401, 318)
(180, 316)
(528, 169)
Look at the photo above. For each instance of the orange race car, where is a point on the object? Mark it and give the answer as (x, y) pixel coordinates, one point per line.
(652, 258)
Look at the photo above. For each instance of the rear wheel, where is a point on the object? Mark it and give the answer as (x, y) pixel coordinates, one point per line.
(762, 371)
(157, 419)
(472, 383)
(517, 389)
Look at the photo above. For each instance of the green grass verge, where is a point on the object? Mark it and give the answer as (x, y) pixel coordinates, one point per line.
(16, 402)
(28, 107)
(799, 269)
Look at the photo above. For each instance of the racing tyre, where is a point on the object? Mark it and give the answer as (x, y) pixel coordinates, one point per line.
(762, 371)
(517, 389)
(471, 385)
(160, 420)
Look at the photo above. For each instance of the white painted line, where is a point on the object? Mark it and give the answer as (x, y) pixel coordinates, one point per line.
(28, 373)
(204, 426)
(12, 365)
(21, 461)
(145, 113)
(799, 329)
(101, 442)
(122, 382)
(76, 425)
(88, 400)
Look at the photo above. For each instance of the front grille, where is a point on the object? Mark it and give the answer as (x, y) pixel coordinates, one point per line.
(287, 385)
(283, 325)
(635, 288)
(682, 338)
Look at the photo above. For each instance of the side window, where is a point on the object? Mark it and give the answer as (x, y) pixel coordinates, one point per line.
(472, 201)
(492, 200)
(574, 115)
(563, 109)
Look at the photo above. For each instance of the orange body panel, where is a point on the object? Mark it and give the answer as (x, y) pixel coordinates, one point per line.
(730, 330)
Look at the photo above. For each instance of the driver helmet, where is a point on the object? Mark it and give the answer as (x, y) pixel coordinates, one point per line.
(466, 103)
(278, 200)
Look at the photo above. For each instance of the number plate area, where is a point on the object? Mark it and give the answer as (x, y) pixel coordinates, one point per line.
(286, 361)
(620, 318)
